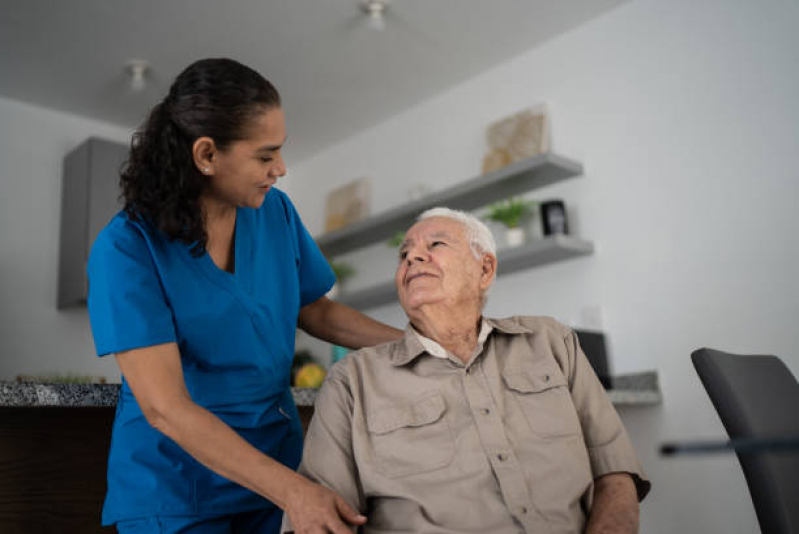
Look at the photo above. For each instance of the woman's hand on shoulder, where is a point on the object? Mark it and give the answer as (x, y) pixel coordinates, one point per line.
(314, 509)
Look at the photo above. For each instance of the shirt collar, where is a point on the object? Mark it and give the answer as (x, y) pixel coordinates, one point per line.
(414, 344)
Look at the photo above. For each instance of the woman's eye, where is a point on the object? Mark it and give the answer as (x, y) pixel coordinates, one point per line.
(266, 160)
(436, 243)
(403, 255)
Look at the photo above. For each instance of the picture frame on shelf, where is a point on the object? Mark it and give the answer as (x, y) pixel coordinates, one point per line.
(519, 136)
(346, 204)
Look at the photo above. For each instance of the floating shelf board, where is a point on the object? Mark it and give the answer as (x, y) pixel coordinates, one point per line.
(536, 253)
(514, 179)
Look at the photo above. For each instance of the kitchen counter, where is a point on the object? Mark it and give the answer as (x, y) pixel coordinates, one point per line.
(30, 394)
(639, 389)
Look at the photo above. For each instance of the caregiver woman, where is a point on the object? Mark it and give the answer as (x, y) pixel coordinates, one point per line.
(197, 287)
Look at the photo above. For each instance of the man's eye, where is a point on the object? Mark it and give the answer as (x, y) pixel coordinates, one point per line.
(266, 160)
(403, 255)
(436, 243)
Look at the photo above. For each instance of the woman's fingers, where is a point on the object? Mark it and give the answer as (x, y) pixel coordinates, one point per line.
(317, 510)
(347, 512)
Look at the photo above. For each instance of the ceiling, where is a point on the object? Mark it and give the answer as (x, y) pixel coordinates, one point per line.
(337, 75)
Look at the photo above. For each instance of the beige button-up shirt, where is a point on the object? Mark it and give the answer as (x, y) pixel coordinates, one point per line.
(509, 442)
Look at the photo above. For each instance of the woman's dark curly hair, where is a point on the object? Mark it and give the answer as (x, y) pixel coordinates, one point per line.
(160, 183)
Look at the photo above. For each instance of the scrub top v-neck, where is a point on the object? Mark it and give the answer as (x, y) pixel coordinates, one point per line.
(235, 333)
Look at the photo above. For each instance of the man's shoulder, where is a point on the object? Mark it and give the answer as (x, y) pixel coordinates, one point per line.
(366, 359)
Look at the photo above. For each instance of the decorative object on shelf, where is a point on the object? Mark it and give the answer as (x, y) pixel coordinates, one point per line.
(343, 272)
(347, 204)
(511, 212)
(517, 137)
(396, 240)
(553, 217)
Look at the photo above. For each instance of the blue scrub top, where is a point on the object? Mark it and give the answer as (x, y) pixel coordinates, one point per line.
(235, 333)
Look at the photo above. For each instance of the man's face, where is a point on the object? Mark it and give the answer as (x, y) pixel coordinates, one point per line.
(436, 265)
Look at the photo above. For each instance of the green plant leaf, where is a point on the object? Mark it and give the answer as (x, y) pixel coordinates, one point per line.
(510, 211)
(342, 270)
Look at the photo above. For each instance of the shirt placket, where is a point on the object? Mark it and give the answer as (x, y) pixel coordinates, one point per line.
(503, 459)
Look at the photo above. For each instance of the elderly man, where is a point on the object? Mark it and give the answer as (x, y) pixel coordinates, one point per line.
(471, 424)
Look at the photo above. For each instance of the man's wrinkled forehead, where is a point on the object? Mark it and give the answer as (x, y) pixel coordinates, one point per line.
(434, 228)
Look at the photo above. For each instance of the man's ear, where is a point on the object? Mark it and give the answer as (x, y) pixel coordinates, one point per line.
(489, 270)
(203, 152)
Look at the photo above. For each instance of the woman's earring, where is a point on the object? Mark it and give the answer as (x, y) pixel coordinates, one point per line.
(206, 170)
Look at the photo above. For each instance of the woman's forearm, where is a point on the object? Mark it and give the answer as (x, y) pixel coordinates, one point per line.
(214, 444)
(344, 326)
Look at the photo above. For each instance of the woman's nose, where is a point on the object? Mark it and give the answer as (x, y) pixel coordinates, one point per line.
(278, 169)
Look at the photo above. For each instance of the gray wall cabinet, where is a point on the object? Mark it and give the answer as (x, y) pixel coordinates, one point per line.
(89, 199)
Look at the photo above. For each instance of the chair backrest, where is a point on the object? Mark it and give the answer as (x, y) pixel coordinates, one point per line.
(758, 397)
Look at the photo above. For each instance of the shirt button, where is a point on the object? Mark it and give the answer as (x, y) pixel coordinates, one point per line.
(523, 510)
(485, 411)
(502, 457)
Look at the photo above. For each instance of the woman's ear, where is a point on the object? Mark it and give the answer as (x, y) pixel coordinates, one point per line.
(204, 153)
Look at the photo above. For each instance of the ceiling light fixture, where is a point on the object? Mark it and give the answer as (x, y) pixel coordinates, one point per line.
(376, 9)
(137, 70)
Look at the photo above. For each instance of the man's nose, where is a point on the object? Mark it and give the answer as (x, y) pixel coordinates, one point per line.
(416, 254)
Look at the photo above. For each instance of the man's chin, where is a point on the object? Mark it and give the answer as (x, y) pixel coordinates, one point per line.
(417, 300)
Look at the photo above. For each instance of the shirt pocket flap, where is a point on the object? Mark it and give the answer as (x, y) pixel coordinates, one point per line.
(424, 411)
(534, 378)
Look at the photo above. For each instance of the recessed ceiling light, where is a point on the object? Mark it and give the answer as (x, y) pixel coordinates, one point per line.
(376, 10)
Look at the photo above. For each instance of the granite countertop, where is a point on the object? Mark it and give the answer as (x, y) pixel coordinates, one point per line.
(638, 389)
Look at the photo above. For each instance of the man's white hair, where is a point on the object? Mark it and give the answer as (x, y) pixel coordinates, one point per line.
(480, 238)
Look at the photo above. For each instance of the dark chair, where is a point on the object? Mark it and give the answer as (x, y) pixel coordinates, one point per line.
(757, 399)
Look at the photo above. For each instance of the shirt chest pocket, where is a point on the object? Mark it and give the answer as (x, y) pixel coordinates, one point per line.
(542, 393)
(411, 439)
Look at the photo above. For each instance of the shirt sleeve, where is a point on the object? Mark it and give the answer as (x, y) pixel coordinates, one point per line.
(126, 302)
(315, 274)
(328, 457)
(609, 447)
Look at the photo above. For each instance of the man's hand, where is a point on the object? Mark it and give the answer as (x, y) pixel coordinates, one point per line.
(615, 508)
(314, 509)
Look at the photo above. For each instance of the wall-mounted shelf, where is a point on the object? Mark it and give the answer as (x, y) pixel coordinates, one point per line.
(536, 253)
(516, 178)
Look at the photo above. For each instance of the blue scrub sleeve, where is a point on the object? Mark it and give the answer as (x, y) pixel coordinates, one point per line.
(127, 306)
(315, 274)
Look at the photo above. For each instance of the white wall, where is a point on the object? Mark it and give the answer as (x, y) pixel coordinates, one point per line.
(686, 116)
(35, 338)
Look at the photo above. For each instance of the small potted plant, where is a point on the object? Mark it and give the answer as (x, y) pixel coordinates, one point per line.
(511, 212)
(396, 240)
(343, 272)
